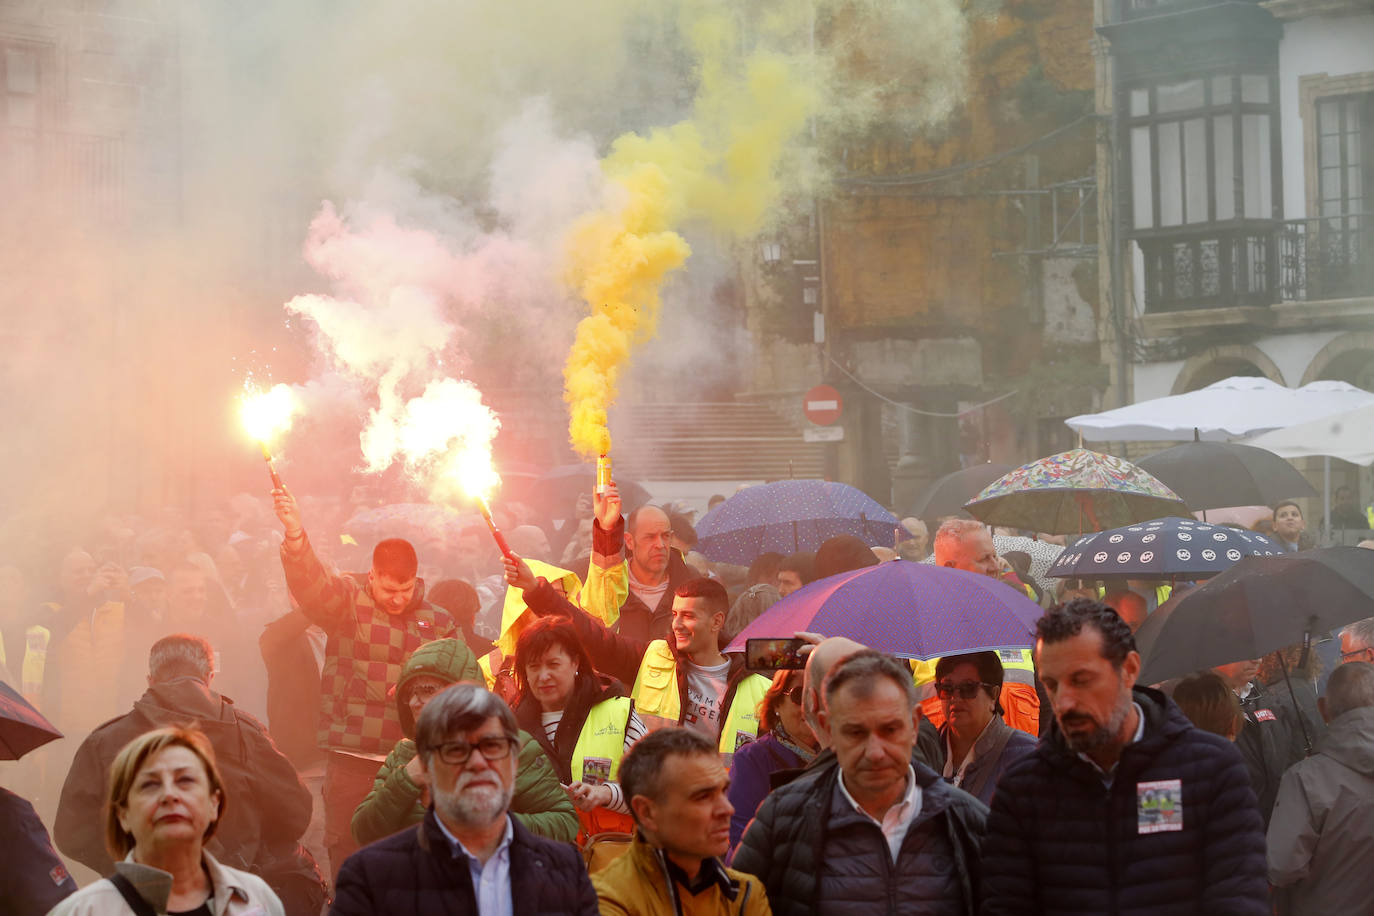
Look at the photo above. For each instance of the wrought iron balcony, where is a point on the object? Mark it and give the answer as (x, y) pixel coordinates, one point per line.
(1209, 268)
(1326, 258)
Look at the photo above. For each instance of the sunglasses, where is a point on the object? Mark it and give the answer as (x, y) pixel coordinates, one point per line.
(795, 694)
(966, 690)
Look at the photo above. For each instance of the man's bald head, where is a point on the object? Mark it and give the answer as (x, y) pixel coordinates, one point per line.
(827, 654)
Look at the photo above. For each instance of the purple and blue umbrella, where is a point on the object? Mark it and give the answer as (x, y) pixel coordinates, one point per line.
(1161, 549)
(906, 609)
(791, 516)
(22, 728)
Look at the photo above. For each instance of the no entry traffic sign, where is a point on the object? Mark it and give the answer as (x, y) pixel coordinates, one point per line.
(822, 405)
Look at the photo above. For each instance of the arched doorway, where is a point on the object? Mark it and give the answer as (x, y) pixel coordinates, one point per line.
(1349, 358)
(1225, 362)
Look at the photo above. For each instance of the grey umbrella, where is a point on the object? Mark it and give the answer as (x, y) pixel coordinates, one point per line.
(1214, 475)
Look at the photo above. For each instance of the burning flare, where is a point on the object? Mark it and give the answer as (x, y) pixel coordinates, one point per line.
(266, 415)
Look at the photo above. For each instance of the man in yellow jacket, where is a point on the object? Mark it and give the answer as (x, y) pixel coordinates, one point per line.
(677, 789)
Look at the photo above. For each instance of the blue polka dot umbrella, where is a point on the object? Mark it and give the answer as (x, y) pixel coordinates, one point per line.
(907, 609)
(1163, 548)
(791, 516)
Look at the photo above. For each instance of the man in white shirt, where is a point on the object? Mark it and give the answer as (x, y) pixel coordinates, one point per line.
(466, 737)
(872, 829)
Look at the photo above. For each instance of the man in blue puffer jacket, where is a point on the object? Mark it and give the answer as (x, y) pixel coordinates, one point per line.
(1125, 807)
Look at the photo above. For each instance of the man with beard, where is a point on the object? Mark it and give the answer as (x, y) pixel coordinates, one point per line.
(466, 737)
(1124, 806)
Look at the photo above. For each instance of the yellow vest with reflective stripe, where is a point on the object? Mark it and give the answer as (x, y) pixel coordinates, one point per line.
(602, 741)
(658, 702)
(742, 719)
(33, 656)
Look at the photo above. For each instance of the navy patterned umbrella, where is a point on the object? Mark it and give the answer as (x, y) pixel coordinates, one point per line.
(22, 728)
(791, 516)
(1161, 549)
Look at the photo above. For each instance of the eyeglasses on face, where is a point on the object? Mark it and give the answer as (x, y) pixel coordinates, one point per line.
(1356, 654)
(426, 691)
(795, 694)
(456, 753)
(966, 690)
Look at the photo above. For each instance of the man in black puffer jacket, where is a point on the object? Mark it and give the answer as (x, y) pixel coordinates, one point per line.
(1125, 807)
(869, 830)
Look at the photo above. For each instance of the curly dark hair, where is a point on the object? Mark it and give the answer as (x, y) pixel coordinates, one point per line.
(1065, 621)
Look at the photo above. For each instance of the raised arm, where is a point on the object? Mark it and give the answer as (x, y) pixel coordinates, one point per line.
(613, 654)
(326, 598)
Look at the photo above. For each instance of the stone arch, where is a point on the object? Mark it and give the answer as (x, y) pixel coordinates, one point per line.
(1217, 363)
(1348, 358)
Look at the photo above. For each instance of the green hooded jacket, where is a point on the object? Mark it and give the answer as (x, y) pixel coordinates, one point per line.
(539, 802)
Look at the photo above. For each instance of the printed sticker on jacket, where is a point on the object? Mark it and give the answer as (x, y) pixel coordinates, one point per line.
(1159, 806)
(1264, 715)
(596, 771)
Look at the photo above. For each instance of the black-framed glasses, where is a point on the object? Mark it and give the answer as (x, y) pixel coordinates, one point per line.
(966, 690)
(1356, 654)
(427, 691)
(456, 753)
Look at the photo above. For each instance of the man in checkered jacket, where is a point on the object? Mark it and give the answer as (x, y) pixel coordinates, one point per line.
(374, 621)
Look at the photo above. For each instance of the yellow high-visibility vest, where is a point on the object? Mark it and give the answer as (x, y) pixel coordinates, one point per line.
(657, 700)
(601, 744)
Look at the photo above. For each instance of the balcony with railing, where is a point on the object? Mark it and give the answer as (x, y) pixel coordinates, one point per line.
(1209, 269)
(1327, 258)
(1301, 260)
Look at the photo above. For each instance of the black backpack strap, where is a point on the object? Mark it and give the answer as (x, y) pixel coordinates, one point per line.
(132, 897)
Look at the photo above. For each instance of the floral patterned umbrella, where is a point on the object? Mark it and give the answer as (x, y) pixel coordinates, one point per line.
(1073, 492)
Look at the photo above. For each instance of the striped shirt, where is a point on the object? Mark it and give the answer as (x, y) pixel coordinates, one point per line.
(634, 730)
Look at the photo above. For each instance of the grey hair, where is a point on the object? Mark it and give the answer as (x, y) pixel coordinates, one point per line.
(952, 533)
(1361, 632)
(181, 655)
(862, 669)
(460, 708)
(1351, 687)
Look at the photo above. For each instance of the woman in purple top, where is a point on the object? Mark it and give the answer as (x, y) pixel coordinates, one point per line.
(785, 743)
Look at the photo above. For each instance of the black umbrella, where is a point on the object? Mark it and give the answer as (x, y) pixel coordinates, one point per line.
(947, 495)
(1258, 606)
(22, 728)
(1214, 475)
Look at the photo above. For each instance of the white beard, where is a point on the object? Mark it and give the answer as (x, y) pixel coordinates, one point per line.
(473, 805)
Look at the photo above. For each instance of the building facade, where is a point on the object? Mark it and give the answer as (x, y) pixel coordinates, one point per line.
(1236, 183)
(948, 267)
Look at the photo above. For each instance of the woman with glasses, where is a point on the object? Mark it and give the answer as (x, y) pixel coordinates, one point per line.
(979, 744)
(785, 743)
(585, 721)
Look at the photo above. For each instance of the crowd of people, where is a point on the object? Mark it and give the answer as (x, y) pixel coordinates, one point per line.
(559, 730)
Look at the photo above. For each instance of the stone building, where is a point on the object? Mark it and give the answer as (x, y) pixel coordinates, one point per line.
(1240, 158)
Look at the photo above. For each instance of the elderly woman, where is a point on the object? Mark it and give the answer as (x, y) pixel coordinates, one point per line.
(786, 743)
(979, 744)
(164, 802)
(584, 720)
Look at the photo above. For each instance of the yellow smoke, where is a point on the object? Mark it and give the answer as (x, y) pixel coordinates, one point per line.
(719, 167)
